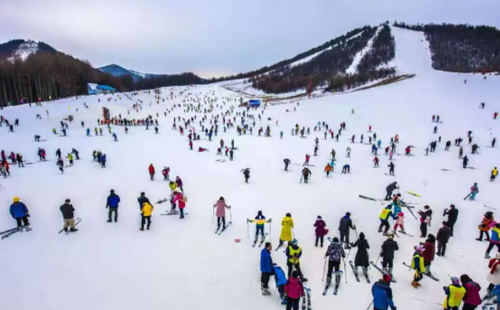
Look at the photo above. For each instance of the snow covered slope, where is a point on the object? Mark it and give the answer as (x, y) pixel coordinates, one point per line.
(182, 264)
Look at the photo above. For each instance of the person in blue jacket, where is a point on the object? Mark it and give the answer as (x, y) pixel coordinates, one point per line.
(112, 205)
(266, 268)
(280, 278)
(19, 212)
(382, 294)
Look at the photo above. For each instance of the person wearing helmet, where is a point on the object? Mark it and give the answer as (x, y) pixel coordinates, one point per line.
(20, 213)
(387, 252)
(382, 294)
(345, 226)
(454, 295)
(293, 253)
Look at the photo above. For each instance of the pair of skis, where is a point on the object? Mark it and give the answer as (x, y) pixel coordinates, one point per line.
(424, 273)
(338, 277)
(263, 239)
(306, 301)
(355, 270)
(9, 232)
(223, 228)
(383, 271)
(77, 221)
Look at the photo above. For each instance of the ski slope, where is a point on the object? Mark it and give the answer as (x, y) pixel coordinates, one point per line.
(182, 264)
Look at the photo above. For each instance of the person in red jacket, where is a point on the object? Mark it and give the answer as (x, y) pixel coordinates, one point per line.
(151, 170)
(320, 230)
(429, 251)
(182, 202)
(293, 291)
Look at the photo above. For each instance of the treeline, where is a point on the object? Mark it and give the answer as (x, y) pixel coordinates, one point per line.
(462, 48)
(47, 75)
(346, 82)
(339, 40)
(317, 71)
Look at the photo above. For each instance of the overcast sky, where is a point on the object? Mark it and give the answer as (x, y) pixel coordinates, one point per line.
(213, 37)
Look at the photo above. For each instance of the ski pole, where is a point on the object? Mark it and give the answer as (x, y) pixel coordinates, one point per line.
(324, 269)
(270, 225)
(369, 305)
(345, 271)
(248, 230)
(230, 214)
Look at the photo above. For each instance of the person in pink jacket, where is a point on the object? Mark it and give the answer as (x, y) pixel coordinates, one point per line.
(471, 299)
(293, 290)
(178, 197)
(400, 222)
(220, 212)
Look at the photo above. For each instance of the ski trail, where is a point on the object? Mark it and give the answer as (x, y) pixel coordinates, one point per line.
(357, 58)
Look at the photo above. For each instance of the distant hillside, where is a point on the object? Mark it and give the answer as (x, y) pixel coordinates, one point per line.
(119, 71)
(21, 49)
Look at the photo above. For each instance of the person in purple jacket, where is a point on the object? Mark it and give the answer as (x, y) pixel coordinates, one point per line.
(178, 181)
(320, 230)
(471, 299)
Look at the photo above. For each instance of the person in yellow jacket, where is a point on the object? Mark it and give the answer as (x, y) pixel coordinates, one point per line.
(417, 264)
(385, 215)
(286, 229)
(494, 174)
(173, 186)
(454, 295)
(146, 212)
(293, 254)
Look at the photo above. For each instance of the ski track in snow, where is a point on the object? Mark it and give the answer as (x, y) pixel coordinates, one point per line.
(182, 264)
(357, 58)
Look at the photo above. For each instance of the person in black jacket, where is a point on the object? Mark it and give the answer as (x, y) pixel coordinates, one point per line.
(443, 236)
(452, 213)
(425, 220)
(67, 211)
(344, 227)
(390, 188)
(287, 162)
(361, 258)
(387, 253)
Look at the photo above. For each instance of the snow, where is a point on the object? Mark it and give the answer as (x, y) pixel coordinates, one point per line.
(182, 264)
(142, 75)
(357, 58)
(25, 49)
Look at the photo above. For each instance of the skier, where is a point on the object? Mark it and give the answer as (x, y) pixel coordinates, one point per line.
(307, 159)
(287, 162)
(387, 252)
(391, 168)
(294, 290)
(487, 223)
(382, 294)
(493, 142)
(305, 174)
(454, 295)
(429, 251)
(67, 211)
(348, 152)
(146, 212)
(178, 181)
(280, 278)
(443, 236)
(246, 174)
(494, 240)
(20, 213)
(385, 215)
(389, 189)
(220, 212)
(142, 199)
(151, 170)
(346, 169)
(399, 222)
(320, 231)
(473, 191)
(70, 159)
(361, 259)
(293, 254)
(179, 197)
(286, 229)
(494, 174)
(417, 264)
(328, 169)
(166, 173)
(335, 254)
(375, 162)
(344, 228)
(472, 298)
(465, 161)
(266, 268)
(260, 221)
(425, 220)
(60, 164)
(452, 213)
(112, 204)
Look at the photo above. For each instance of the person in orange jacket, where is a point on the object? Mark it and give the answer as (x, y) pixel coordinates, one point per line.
(328, 169)
(486, 224)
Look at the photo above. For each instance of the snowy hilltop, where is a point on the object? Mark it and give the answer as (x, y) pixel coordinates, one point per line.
(106, 224)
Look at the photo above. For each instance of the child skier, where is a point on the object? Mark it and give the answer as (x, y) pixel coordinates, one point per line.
(280, 278)
(400, 222)
(417, 264)
(260, 221)
(293, 290)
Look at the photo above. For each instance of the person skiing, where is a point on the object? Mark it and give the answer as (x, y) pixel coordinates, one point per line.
(307, 159)
(382, 294)
(306, 173)
(287, 162)
(178, 181)
(389, 189)
(428, 253)
(344, 228)
(417, 264)
(454, 295)
(112, 204)
(266, 268)
(166, 173)
(286, 229)
(151, 170)
(328, 169)
(335, 254)
(293, 254)
(399, 222)
(67, 211)
(346, 169)
(494, 240)
(260, 221)
(387, 252)
(70, 159)
(361, 259)
(246, 174)
(294, 290)
(443, 236)
(220, 212)
(494, 174)
(375, 162)
(474, 190)
(20, 213)
(281, 280)
(425, 220)
(452, 213)
(487, 223)
(179, 197)
(471, 299)
(320, 230)
(146, 212)
(60, 164)
(385, 215)
(391, 168)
